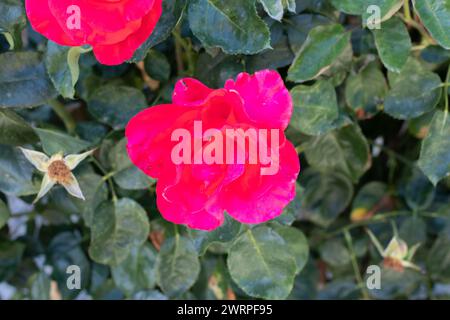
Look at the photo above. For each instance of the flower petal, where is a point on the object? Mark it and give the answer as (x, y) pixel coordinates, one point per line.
(117, 53)
(267, 102)
(38, 159)
(43, 21)
(255, 198)
(190, 92)
(181, 200)
(46, 185)
(74, 188)
(73, 160)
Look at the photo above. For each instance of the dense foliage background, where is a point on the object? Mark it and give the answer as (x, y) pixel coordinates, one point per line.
(370, 125)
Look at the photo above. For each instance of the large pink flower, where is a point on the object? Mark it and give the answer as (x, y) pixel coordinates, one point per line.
(114, 28)
(197, 192)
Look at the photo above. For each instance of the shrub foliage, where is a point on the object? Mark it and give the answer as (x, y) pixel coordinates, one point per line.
(370, 125)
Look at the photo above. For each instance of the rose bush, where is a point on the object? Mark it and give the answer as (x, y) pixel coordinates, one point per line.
(357, 90)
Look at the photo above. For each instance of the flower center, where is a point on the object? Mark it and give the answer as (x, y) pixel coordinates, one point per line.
(392, 263)
(59, 172)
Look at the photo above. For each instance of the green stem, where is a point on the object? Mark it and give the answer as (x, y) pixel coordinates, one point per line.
(355, 265)
(407, 11)
(107, 176)
(183, 45)
(63, 114)
(382, 218)
(427, 39)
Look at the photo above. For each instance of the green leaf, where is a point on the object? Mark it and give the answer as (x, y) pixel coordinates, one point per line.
(137, 272)
(14, 130)
(335, 253)
(157, 66)
(393, 43)
(360, 7)
(438, 259)
(262, 264)
(232, 25)
(368, 200)
(56, 141)
(316, 109)
(4, 214)
(322, 47)
(434, 158)
(127, 175)
(345, 150)
(23, 80)
(171, 15)
(435, 15)
(275, 8)
(414, 91)
(15, 173)
(39, 286)
(326, 195)
(417, 190)
(292, 210)
(10, 257)
(387, 7)
(65, 249)
(12, 20)
(223, 235)
(62, 66)
(365, 91)
(299, 27)
(280, 55)
(177, 265)
(215, 71)
(297, 243)
(116, 229)
(413, 231)
(115, 105)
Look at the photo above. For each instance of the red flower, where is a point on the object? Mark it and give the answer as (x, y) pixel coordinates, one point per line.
(183, 145)
(114, 28)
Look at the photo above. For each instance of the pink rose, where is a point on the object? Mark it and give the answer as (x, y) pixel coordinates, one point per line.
(114, 28)
(185, 146)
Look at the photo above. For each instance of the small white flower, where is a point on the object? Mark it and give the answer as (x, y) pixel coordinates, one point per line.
(397, 255)
(57, 170)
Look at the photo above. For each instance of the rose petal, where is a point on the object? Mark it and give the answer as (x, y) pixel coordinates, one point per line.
(119, 52)
(254, 198)
(45, 23)
(267, 102)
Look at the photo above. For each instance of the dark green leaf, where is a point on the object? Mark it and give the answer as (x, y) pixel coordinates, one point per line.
(322, 47)
(116, 105)
(232, 25)
(23, 80)
(14, 130)
(262, 264)
(116, 229)
(177, 265)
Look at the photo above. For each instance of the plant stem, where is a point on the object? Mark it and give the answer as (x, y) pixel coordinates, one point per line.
(407, 11)
(356, 270)
(181, 45)
(107, 177)
(427, 39)
(381, 218)
(63, 114)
